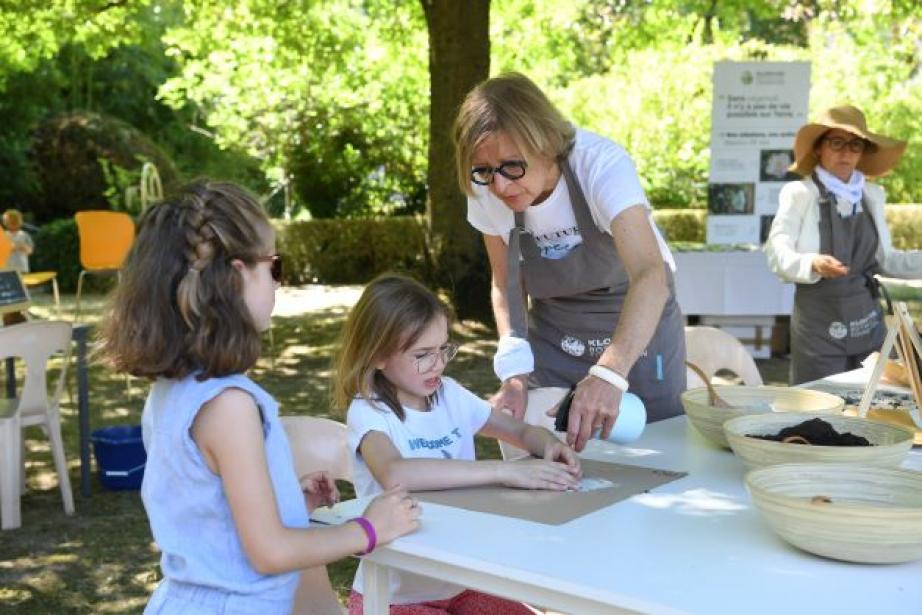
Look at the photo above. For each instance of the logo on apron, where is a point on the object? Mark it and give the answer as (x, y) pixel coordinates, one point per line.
(572, 346)
(865, 325)
(837, 330)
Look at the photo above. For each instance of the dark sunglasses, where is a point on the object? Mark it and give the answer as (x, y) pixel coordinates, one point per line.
(511, 169)
(275, 268)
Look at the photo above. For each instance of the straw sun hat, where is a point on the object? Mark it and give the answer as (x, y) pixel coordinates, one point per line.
(875, 161)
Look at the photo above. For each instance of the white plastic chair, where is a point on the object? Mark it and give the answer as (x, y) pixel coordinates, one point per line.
(713, 350)
(317, 444)
(539, 402)
(35, 343)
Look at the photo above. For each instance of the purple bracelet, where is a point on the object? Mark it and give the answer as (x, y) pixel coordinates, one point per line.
(369, 531)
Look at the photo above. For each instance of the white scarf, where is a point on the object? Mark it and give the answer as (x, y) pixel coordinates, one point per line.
(848, 201)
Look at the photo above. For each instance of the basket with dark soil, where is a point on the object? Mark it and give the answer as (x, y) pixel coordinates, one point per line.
(816, 432)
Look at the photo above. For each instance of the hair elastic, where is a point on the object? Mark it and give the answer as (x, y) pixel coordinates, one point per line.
(366, 525)
(610, 376)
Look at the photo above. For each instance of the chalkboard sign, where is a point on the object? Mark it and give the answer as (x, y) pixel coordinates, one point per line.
(13, 294)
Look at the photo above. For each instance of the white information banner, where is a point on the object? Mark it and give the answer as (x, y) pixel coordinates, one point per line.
(758, 107)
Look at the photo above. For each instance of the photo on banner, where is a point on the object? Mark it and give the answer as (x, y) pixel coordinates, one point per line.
(757, 109)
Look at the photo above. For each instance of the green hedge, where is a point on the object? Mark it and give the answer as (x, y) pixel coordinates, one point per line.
(689, 225)
(905, 222)
(57, 248)
(681, 224)
(352, 251)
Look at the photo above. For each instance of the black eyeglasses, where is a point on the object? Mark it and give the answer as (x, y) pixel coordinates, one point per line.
(837, 144)
(275, 268)
(511, 169)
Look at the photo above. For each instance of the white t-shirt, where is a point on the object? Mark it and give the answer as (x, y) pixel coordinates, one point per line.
(19, 260)
(446, 431)
(609, 181)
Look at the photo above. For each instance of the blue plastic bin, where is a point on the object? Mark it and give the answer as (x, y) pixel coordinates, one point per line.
(120, 456)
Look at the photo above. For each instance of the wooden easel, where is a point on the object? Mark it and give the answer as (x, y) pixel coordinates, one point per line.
(901, 334)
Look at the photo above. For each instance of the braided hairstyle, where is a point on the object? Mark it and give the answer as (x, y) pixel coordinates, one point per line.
(179, 307)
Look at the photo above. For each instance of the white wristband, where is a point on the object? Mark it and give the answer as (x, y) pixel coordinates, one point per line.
(610, 376)
(513, 358)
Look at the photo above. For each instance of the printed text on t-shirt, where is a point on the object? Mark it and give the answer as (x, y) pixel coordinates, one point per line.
(418, 443)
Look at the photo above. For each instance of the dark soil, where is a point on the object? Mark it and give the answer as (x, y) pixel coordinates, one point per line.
(816, 432)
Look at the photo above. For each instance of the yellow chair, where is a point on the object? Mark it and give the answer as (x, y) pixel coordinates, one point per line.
(6, 248)
(105, 239)
(40, 278)
(35, 342)
(33, 279)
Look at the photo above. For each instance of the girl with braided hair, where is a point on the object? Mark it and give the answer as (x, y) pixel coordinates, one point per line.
(224, 503)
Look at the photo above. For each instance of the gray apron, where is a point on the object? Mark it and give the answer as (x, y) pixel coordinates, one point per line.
(837, 322)
(576, 304)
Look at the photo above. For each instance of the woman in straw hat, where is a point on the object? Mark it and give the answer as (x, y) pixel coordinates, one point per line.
(563, 214)
(830, 238)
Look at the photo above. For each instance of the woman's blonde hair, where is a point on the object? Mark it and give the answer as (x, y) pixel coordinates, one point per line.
(179, 307)
(389, 317)
(513, 104)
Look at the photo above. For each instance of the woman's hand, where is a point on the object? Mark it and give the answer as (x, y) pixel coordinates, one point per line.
(319, 489)
(393, 513)
(539, 474)
(829, 266)
(595, 406)
(512, 395)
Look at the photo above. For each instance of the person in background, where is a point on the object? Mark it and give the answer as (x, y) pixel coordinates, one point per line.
(411, 425)
(565, 207)
(22, 242)
(19, 256)
(226, 508)
(830, 238)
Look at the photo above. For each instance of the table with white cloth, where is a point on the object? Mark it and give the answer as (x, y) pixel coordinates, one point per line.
(694, 545)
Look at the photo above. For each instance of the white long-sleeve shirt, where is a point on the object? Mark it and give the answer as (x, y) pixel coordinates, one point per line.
(794, 239)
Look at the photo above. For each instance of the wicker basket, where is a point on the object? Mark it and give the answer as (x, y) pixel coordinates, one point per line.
(846, 512)
(891, 442)
(709, 419)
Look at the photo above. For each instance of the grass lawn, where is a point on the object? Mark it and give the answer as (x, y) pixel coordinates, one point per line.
(102, 560)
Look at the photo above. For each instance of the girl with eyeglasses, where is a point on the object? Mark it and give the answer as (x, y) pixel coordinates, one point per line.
(566, 222)
(830, 238)
(226, 508)
(410, 425)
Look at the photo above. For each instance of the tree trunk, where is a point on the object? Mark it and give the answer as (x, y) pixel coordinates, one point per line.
(459, 58)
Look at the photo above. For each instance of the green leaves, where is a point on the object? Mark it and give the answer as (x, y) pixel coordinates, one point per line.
(330, 96)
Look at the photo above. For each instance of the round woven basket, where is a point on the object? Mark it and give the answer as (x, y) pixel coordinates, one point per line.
(890, 443)
(846, 512)
(709, 420)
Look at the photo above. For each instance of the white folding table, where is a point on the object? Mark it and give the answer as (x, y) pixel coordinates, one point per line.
(695, 545)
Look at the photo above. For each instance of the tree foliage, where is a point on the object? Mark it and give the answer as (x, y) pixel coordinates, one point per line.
(330, 96)
(640, 72)
(98, 58)
(328, 100)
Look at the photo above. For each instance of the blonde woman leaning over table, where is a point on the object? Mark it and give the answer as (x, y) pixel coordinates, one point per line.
(830, 237)
(566, 222)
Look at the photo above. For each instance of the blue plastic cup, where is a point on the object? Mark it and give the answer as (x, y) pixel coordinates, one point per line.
(630, 422)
